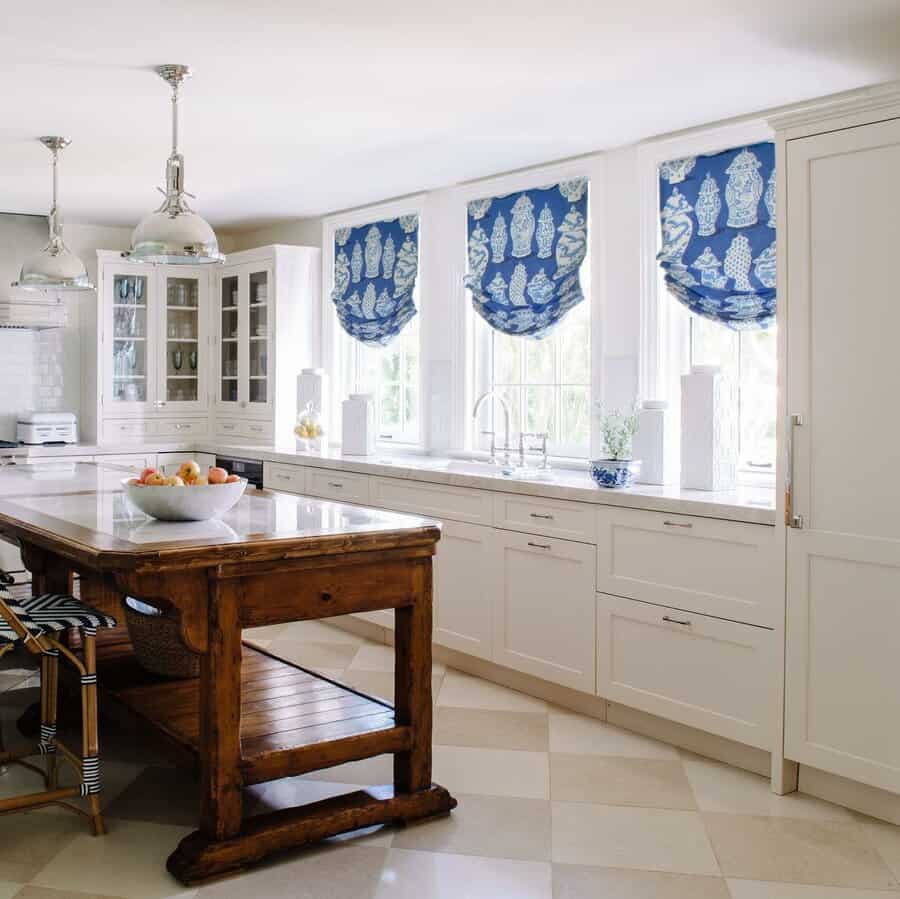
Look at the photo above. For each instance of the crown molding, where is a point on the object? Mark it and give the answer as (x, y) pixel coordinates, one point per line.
(866, 101)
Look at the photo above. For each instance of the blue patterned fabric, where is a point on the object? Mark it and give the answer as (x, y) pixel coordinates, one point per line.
(375, 269)
(718, 234)
(525, 250)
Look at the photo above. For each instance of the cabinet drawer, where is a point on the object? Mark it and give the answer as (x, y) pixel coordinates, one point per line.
(707, 673)
(723, 568)
(290, 478)
(132, 461)
(182, 427)
(127, 430)
(435, 500)
(342, 486)
(255, 431)
(544, 608)
(555, 518)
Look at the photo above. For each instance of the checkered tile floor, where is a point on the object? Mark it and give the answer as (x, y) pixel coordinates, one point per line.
(551, 804)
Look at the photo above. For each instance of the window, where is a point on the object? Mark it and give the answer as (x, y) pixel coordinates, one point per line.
(547, 383)
(391, 375)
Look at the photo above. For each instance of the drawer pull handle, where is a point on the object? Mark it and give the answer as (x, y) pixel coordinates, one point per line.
(326, 597)
(539, 545)
(283, 477)
(256, 430)
(181, 427)
(540, 515)
(336, 484)
(684, 622)
(678, 524)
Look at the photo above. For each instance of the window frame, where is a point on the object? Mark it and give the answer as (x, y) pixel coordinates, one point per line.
(340, 352)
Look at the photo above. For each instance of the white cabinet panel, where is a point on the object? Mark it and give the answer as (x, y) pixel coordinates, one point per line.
(435, 500)
(342, 486)
(842, 706)
(249, 430)
(290, 478)
(714, 675)
(724, 568)
(544, 608)
(132, 430)
(131, 461)
(464, 588)
(555, 518)
(167, 428)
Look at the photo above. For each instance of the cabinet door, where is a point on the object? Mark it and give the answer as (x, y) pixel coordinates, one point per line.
(227, 325)
(843, 593)
(129, 332)
(258, 352)
(544, 608)
(463, 588)
(182, 344)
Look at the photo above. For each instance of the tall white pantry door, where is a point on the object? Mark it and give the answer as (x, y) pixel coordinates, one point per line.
(843, 393)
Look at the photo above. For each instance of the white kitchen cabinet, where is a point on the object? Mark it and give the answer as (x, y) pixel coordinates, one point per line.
(843, 548)
(464, 588)
(289, 478)
(131, 461)
(729, 569)
(340, 486)
(544, 608)
(436, 500)
(714, 675)
(152, 344)
(266, 307)
(551, 517)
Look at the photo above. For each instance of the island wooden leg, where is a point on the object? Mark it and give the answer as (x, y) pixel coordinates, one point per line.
(220, 714)
(412, 685)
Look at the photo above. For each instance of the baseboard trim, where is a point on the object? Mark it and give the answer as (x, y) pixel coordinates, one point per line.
(850, 793)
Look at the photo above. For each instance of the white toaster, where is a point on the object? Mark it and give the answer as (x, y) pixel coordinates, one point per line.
(36, 428)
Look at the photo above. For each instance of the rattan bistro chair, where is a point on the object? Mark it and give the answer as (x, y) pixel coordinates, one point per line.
(36, 622)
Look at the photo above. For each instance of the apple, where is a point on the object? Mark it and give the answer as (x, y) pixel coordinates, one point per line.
(232, 479)
(146, 474)
(188, 471)
(174, 481)
(155, 480)
(217, 475)
(200, 481)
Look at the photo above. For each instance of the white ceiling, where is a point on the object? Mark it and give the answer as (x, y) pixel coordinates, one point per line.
(305, 107)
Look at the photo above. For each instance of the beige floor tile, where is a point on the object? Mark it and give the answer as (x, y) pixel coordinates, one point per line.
(587, 882)
(9, 888)
(322, 872)
(258, 642)
(723, 788)
(368, 772)
(132, 853)
(621, 837)
(380, 684)
(765, 889)
(312, 655)
(793, 850)
(885, 838)
(29, 840)
(373, 657)
(435, 875)
(32, 892)
(491, 728)
(269, 632)
(492, 772)
(613, 780)
(463, 691)
(319, 632)
(485, 825)
(583, 735)
(161, 796)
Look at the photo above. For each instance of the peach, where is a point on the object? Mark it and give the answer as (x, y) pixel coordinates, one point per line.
(188, 471)
(146, 474)
(155, 480)
(174, 481)
(200, 481)
(232, 479)
(217, 475)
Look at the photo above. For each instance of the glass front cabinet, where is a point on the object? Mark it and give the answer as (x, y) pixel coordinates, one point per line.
(154, 340)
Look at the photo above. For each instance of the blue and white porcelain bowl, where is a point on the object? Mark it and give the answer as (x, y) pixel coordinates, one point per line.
(615, 472)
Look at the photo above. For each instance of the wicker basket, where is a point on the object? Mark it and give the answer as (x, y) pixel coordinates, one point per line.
(157, 642)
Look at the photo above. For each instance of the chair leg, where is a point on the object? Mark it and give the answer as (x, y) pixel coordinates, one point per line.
(90, 777)
(49, 690)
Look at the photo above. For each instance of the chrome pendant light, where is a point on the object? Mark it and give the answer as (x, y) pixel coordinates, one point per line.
(56, 267)
(174, 233)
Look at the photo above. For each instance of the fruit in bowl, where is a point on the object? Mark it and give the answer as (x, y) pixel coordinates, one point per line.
(203, 496)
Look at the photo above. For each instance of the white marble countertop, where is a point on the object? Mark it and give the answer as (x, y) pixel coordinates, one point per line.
(748, 504)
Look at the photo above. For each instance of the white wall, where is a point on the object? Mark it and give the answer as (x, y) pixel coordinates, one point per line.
(298, 232)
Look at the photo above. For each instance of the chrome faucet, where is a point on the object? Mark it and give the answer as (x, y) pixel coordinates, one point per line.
(492, 434)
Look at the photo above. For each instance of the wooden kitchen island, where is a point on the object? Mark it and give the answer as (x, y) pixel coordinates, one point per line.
(249, 717)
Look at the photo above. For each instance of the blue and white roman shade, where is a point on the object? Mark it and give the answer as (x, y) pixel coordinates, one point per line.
(375, 269)
(525, 251)
(718, 234)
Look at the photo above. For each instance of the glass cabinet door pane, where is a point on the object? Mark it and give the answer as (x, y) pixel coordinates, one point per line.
(259, 337)
(228, 374)
(129, 344)
(182, 339)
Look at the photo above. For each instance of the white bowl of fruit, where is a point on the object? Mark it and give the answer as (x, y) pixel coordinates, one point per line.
(186, 496)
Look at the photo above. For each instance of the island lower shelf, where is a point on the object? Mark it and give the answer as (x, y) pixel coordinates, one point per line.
(292, 720)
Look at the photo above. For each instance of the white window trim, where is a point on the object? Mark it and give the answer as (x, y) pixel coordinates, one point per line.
(336, 343)
(592, 167)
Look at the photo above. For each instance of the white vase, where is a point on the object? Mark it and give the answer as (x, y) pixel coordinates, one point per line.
(358, 425)
(709, 430)
(655, 444)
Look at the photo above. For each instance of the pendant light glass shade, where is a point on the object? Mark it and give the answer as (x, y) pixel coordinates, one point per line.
(56, 267)
(174, 234)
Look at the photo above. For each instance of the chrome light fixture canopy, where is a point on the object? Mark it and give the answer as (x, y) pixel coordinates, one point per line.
(174, 234)
(56, 267)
